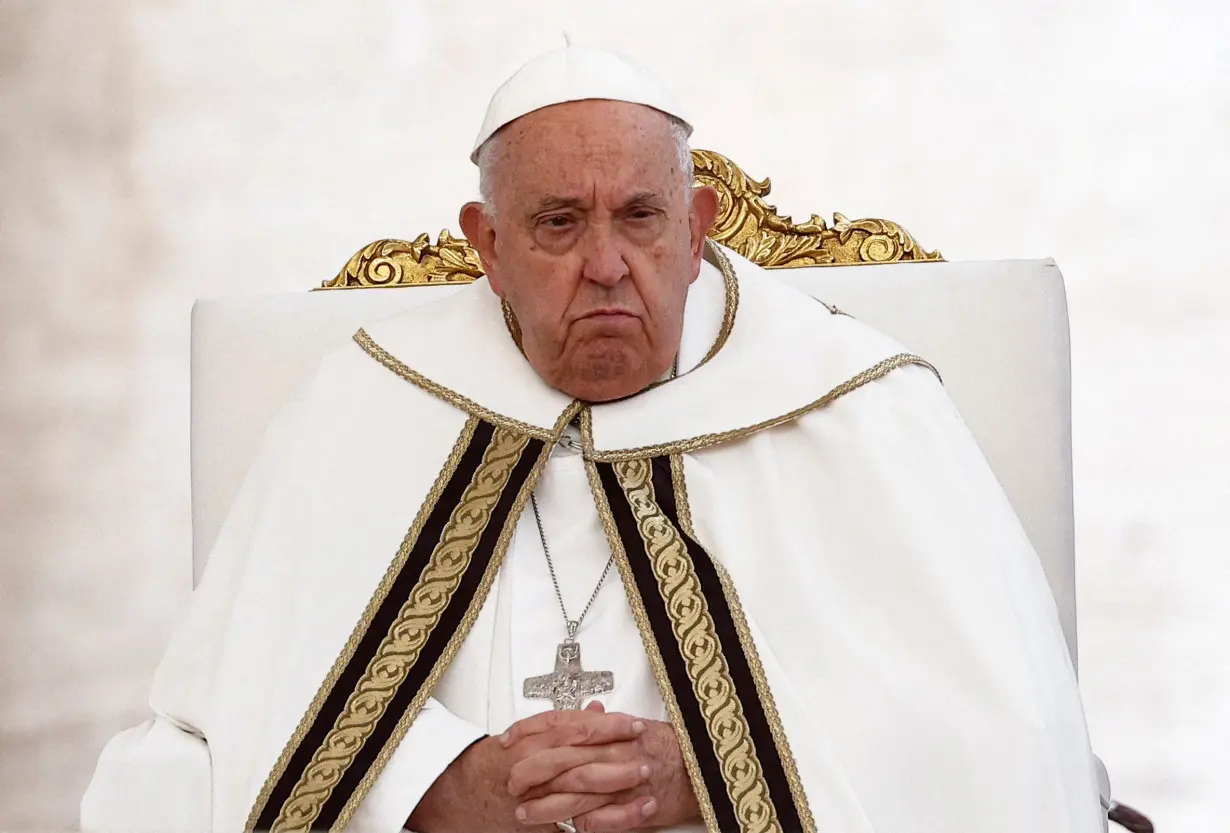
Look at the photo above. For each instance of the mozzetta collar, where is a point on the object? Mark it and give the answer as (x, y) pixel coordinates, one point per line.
(754, 353)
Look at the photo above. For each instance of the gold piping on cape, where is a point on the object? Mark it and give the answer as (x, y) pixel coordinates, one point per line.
(441, 392)
(704, 440)
(701, 650)
(683, 507)
(731, 283)
(647, 638)
(401, 647)
(463, 629)
(369, 613)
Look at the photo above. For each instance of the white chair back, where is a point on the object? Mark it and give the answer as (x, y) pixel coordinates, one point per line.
(997, 331)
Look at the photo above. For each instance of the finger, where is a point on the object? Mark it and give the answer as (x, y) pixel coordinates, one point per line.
(548, 764)
(615, 818)
(603, 777)
(558, 807)
(575, 727)
(570, 723)
(595, 706)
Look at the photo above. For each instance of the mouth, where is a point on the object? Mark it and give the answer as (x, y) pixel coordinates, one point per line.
(606, 314)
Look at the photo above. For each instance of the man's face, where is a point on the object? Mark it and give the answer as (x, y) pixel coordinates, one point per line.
(594, 243)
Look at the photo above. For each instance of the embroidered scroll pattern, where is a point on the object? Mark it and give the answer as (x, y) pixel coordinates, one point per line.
(401, 647)
(694, 629)
(684, 510)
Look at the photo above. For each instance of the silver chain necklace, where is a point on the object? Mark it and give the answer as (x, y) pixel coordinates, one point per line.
(569, 684)
(573, 625)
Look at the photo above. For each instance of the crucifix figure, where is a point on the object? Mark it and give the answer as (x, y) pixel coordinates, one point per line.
(569, 685)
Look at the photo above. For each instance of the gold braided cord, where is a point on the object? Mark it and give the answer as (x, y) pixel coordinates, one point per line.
(731, 307)
(867, 376)
(441, 392)
(682, 507)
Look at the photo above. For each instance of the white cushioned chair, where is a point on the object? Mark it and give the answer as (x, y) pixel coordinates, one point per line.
(997, 331)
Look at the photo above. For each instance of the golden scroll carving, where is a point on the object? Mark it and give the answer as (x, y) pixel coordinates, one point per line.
(746, 223)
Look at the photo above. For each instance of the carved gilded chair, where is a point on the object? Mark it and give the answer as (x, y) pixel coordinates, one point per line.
(998, 332)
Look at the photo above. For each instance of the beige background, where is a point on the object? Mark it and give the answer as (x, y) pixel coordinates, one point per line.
(154, 150)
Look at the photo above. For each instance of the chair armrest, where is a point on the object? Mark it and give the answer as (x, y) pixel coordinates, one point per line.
(1120, 814)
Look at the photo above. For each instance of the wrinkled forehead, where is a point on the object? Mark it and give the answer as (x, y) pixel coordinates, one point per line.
(583, 147)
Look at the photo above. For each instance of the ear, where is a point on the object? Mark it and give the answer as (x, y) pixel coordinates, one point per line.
(704, 212)
(477, 227)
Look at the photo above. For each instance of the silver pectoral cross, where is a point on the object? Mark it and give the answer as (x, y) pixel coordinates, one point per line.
(569, 685)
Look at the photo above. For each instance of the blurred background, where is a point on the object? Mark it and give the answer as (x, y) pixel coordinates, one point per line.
(155, 150)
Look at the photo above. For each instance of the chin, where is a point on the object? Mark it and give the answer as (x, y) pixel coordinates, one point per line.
(606, 374)
(599, 392)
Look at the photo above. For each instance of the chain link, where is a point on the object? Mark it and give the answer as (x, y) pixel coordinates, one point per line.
(573, 625)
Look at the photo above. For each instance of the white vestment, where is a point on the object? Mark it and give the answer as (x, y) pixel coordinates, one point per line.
(901, 618)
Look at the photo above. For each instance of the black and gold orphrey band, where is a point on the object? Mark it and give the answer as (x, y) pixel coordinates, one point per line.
(741, 764)
(409, 633)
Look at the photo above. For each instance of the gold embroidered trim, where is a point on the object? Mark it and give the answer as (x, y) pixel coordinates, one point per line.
(679, 481)
(730, 284)
(701, 651)
(704, 440)
(682, 506)
(512, 324)
(400, 648)
(441, 392)
(365, 621)
(647, 638)
(732, 301)
(463, 629)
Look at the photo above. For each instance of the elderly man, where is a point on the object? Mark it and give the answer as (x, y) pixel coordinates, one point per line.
(804, 601)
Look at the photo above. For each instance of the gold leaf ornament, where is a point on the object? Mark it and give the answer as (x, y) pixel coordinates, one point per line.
(746, 223)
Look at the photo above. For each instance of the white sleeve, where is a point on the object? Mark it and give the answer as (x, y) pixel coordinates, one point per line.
(154, 777)
(942, 649)
(436, 738)
(158, 776)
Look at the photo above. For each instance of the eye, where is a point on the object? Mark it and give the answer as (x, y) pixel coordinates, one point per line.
(556, 222)
(641, 213)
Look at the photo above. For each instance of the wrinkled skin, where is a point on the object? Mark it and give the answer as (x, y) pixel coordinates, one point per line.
(594, 243)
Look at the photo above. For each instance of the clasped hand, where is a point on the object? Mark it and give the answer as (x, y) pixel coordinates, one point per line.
(606, 772)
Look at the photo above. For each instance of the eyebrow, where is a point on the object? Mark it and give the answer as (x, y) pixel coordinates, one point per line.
(550, 203)
(643, 198)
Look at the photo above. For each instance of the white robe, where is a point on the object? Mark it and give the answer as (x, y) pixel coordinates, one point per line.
(903, 620)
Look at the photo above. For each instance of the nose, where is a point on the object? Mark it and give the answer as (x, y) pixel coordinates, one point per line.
(604, 262)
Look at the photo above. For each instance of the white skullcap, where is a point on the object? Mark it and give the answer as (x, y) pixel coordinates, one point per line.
(574, 73)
